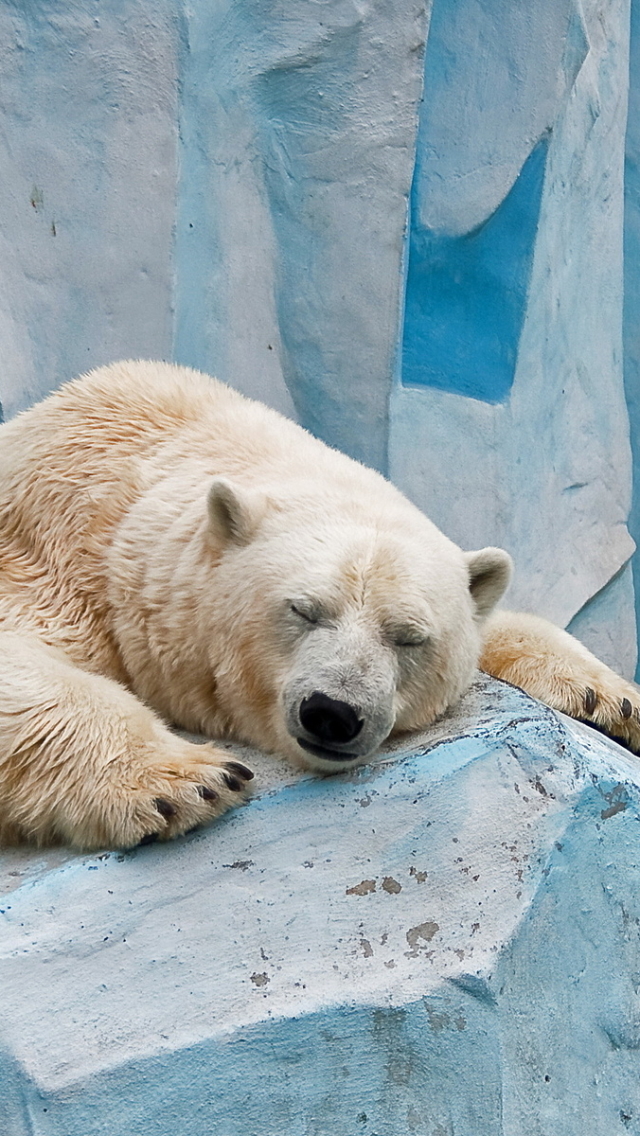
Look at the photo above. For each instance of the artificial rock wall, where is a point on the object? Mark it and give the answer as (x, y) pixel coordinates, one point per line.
(401, 224)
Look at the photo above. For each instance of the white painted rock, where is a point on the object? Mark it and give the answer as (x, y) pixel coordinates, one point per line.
(442, 943)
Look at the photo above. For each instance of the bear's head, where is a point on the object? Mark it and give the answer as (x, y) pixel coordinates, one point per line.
(339, 619)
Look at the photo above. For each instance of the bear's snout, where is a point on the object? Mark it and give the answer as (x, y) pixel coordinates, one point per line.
(330, 723)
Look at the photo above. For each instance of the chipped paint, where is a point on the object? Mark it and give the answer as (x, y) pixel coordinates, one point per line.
(365, 887)
(418, 936)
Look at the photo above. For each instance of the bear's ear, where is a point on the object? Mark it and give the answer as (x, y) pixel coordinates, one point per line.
(489, 574)
(234, 513)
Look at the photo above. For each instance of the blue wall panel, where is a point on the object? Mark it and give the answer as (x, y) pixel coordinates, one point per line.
(466, 295)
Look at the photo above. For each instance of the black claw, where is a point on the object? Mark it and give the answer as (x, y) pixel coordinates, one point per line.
(590, 700)
(165, 808)
(150, 838)
(626, 708)
(234, 783)
(240, 770)
(206, 793)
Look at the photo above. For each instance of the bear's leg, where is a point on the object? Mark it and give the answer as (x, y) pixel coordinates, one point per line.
(553, 666)
(84, 762)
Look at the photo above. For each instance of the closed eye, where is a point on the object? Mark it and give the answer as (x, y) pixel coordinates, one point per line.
(409, 637)
(307, 614)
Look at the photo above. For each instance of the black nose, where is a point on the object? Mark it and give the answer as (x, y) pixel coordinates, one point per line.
(329, 721)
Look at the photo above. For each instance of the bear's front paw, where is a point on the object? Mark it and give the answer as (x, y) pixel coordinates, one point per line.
(152, 800)
(177, 797)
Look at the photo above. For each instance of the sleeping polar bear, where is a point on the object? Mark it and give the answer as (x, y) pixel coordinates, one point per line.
(173, 554)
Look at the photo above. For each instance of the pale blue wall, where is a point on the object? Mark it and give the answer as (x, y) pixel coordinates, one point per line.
(402, 226)
(296, 158)
(88, 154)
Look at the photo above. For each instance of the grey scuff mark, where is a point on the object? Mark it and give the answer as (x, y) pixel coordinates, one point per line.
(619, 807)
(391, 886)
(367, 949)
(260, 979)
(37, 199)
(414, 1119)
(419, 877)
(241, 864)
(539, 788)
(440, 1019)
(617, 800)
(365, 887)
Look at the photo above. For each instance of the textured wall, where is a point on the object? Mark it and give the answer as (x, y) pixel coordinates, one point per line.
(514, 430)
(297, 150)
(632, 279)
(401, 224)
(403, 227)
(87, 194)
(443, 945)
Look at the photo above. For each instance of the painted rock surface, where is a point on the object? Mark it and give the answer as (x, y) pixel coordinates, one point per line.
(442, 943)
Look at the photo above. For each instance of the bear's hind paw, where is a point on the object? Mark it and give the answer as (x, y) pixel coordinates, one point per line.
(551, 665)
(613, 711)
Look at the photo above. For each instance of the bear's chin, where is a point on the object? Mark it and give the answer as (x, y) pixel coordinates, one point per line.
(326, 760)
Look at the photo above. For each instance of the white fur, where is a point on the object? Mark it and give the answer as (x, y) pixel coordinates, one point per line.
(173, 553)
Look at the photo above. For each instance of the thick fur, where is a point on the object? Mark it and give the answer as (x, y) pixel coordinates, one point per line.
(172, 553)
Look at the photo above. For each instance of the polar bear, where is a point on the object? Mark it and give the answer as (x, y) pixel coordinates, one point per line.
(174, 554)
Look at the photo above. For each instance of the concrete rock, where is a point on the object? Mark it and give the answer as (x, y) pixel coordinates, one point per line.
(445, 941)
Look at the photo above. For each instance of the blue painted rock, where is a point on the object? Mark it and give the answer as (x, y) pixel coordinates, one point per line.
(444, 942)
